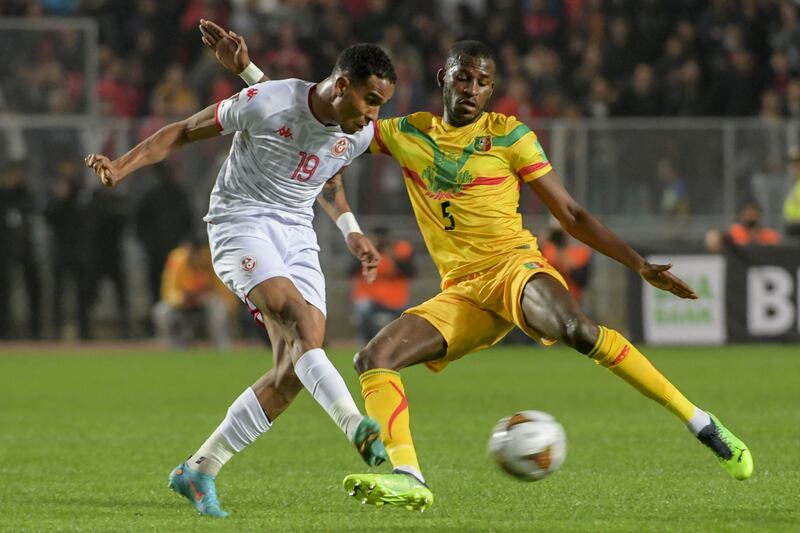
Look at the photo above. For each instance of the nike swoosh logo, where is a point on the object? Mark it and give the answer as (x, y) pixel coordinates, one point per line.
(741, 452)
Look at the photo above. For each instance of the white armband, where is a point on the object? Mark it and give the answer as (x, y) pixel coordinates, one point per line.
(347, 224)
(251, 74)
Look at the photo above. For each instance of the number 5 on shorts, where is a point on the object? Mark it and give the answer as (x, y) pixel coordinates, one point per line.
(451, 222)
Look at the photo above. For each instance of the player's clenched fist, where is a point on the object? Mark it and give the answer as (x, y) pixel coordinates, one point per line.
(104, 168)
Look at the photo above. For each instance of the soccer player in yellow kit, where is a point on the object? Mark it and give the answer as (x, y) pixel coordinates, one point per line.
(463, 172)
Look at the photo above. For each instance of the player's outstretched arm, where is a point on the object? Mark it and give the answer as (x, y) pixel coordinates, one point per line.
(155, 148)
(582, 225)
(333, 200)
(230, 50)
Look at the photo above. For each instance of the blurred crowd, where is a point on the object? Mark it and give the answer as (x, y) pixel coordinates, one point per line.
(557, 58)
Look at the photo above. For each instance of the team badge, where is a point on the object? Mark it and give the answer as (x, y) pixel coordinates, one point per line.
(340, 146)
(248, 263)
(483, 144)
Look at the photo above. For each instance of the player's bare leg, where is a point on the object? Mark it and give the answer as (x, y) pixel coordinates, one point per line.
(406, 341)
(245, 421)
(552, 311)
(296, 330)
(302, 326)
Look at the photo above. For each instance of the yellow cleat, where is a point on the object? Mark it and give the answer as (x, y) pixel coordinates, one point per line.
(397, 489)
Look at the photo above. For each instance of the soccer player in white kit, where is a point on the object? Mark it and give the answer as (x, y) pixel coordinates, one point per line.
(291, 137)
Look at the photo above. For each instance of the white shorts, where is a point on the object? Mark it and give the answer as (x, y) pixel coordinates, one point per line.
(249, 251)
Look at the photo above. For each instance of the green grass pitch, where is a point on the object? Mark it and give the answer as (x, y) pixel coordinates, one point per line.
(87, 442)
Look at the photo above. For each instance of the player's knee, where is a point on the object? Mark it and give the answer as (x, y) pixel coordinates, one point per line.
(580, 334)
(371, 357)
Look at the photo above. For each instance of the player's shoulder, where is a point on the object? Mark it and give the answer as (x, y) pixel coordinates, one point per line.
(278, 90)
(421, 120)
(501, 125)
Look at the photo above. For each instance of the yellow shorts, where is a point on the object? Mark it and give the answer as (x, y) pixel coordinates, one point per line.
(478, 310)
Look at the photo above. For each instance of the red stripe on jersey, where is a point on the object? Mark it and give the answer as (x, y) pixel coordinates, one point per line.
(378, 138)
(485, 181)
(216, 116)
(413, 176)
(524, 171)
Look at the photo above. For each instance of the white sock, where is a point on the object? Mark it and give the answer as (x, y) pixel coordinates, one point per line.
(699, 420)
(243, 424)
(326, 385)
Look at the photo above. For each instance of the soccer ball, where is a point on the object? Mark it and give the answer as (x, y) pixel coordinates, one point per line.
(529, 445)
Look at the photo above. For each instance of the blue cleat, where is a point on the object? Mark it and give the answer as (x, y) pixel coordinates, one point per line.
(198, 488)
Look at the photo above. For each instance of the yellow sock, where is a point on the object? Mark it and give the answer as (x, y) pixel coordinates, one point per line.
(616, 353)
(385, 401)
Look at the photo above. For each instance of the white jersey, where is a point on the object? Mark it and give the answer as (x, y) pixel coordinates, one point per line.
(281, 155)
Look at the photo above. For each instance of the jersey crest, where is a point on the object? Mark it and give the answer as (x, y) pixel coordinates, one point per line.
(483, 144)
(340, 146)
(447, 177)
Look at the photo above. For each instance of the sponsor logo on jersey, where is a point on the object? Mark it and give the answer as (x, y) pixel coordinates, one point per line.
(483, 144)
(251, 92)
(248, 263)
(285, 132)
(340, 146)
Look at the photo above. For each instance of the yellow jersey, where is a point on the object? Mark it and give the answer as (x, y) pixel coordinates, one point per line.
(464, 184)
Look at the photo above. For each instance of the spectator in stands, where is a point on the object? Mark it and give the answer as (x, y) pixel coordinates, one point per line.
(748, 228)
(173, 94)
(746, 231)
(674, 193)
(570, 258)
(68, 218)
(686, 95)
(163, 219)
(791, 206)
(378, 303)
(190, 290)
(17, 208)
(108, 221)
(641, 97)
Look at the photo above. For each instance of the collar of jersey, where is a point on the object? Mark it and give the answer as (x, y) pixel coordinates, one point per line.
(449, 128)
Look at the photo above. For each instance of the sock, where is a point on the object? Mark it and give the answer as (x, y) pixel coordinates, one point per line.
(326, 385)
(699, 420)
(616, 353)
(385, 401)
(243, 424)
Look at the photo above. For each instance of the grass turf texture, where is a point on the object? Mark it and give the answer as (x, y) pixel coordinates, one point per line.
(87, 442)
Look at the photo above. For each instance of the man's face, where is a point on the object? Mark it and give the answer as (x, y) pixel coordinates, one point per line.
(750, 216)
(467, 86)
(360, 102)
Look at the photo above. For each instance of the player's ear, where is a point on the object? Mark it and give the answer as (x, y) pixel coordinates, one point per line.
(341, 86)
(440, 77)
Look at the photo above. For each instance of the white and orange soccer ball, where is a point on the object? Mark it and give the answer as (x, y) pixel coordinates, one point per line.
(529, 445)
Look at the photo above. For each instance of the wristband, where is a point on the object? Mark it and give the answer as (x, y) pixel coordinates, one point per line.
(251, 74)
(347, 224)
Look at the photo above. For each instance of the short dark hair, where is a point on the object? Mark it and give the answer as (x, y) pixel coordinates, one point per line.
(361, 61)
(468, 48)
